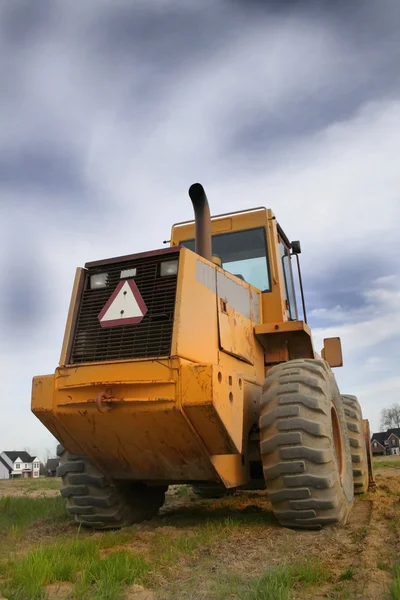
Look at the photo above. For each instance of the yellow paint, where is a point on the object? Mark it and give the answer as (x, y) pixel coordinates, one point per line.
(203, 408)
(332, 352)
(187, 417)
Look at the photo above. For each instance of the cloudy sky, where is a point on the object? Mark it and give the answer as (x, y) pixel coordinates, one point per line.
(110, 109)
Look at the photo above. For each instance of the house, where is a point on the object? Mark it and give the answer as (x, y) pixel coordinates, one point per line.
(51, 467)
(22, 465)
(386, 442)
(5, 469)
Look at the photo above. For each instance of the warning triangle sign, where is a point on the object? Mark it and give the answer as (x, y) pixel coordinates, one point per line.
(124, 307)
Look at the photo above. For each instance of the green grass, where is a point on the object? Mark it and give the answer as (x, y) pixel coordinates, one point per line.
(383, 565)
(382, 464)
(347, 574)
(30, 485)
(274, 584)
(18, 513)
(108, 577)
(97, 568)
(167, 549)
(102, 578)
(183, 490)
(78, 561)
(396, 582)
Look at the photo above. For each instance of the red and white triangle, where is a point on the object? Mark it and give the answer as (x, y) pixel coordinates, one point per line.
(124, 307)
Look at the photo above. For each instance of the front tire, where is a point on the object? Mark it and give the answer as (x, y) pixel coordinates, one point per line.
(95, 502)
(304, 445)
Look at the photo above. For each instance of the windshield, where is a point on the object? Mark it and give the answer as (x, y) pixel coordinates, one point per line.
(243, 253)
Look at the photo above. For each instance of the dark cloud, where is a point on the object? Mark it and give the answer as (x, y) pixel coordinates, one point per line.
(23, 22)
(23, 303)
(165, 39)
(42, 167)
(257, 133)
(343, 284)
(366, 69)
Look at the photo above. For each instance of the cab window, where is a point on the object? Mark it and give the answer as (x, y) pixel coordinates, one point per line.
(242, 253)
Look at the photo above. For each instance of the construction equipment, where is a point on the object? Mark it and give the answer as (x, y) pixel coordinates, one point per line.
(190, 364)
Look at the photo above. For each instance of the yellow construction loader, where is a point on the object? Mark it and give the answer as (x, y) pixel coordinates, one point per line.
(190, 364)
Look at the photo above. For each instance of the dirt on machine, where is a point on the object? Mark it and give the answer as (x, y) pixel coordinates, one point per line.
(191, 365)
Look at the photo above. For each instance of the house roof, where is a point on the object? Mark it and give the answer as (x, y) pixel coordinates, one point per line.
(52, 464)
(396, 432)
(24, 456)
(3, 462)
(378, 443)
(380, 437)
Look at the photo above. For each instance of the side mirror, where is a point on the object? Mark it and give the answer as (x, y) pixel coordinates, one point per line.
(296, 247)
(332, 352)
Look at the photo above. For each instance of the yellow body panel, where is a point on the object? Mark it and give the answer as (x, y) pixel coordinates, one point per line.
(153, 399)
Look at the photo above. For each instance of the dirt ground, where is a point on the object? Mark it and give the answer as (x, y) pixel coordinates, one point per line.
(358, 556)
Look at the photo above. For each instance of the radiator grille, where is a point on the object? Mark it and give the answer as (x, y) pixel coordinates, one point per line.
(152, 337)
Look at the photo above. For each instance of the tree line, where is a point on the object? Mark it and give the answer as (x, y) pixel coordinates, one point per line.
(390, 417)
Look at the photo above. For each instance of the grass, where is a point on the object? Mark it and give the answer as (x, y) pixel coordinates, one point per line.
(191, 516)
(109, 576)
(386, 464)
(78, 561)
(274, 584)
(360, 534)
(30, 485)
(81, 560)
(183, 490)
(394, 525)
(347, 574)
(167, 549)
(18, 513)
(383, 565)
(396, 582)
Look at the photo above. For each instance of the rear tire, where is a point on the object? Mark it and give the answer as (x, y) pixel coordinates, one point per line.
(305, 448)
(95, 502)
(358, 450)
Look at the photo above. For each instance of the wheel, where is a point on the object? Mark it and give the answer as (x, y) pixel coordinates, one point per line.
(304, 445)
(355, 429)
(100, 504)
(211, 490)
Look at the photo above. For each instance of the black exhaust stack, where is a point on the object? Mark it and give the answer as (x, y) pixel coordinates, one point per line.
(202, 221)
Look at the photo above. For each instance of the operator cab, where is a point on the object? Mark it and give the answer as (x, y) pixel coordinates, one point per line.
(252, 246)
(243, 254)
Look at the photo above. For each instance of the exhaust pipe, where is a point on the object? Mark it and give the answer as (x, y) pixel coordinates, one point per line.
(202, 221)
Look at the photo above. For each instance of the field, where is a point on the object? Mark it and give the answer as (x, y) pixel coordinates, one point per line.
(196, 549)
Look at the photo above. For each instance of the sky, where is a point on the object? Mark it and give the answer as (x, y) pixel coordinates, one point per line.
(111, 109)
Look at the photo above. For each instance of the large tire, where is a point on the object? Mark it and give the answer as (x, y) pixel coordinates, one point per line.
(358, 450)
(211, 490)
(98, 503)
(304, 445)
